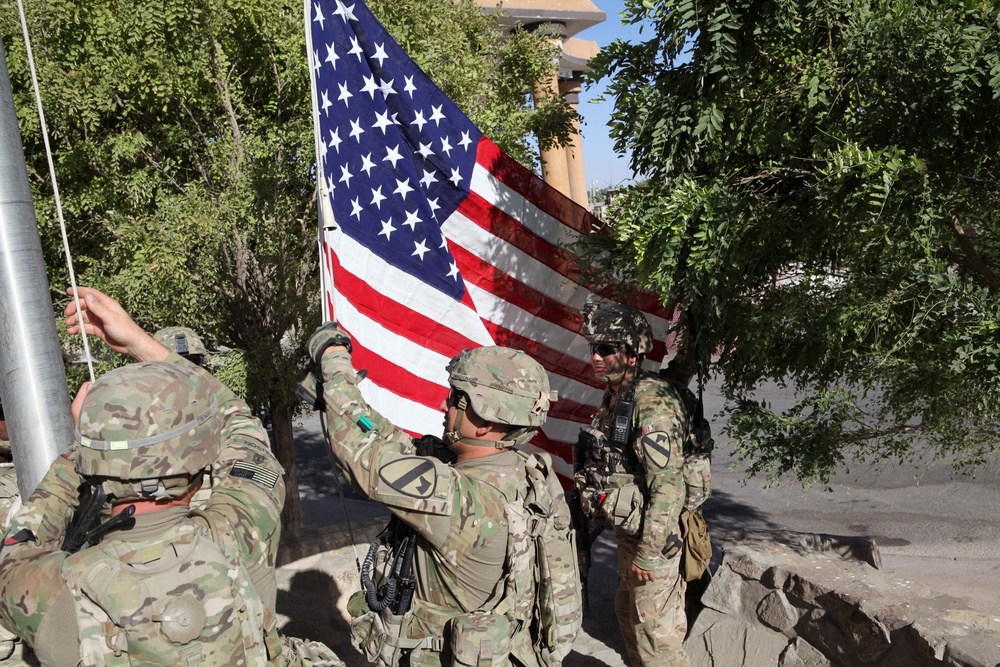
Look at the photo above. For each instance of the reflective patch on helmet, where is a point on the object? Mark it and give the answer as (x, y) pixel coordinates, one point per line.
(254, 473)
(656, 447)
(412, 476)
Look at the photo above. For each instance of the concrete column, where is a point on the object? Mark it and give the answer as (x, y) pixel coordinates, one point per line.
(554, 166)
(32, 377)
(577, 176)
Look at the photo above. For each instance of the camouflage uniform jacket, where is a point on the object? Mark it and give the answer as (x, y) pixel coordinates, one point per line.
(659, 430)
(456, 510)
(247, 495)
(10, 497)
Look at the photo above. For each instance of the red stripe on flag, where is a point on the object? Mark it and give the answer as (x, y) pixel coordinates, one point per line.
(396, 317)
(553, 360)
(535, 190)
(513, 291)
(563, 450)
(397, 379)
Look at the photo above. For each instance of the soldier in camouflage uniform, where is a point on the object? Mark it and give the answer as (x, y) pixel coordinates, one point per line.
(10, 498)
(633, 478)
(185, 342)
(242, 510)
(499, 397)
(11, 648)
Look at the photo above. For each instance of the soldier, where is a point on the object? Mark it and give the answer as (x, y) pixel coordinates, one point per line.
(243, 508)
(466, 604)
(164, 585)
(632, 477)
(184, 342)
(12, 650)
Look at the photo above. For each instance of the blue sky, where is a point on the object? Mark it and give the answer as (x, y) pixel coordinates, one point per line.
(603, 166)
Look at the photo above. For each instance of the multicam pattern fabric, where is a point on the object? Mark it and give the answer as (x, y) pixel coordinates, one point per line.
(651, 614)
(505, 386)
(37, 579)
(168, 337)
(149, 421)
(618, 323)
(174, 599)
(11, 648)
(655, 464)
(457, 512)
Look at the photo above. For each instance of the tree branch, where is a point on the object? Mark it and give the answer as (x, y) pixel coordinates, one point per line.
(970, 259)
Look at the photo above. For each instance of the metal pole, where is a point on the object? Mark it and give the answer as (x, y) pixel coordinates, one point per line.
(32, 377)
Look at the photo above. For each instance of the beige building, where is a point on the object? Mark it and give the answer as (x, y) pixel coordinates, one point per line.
(562, 167)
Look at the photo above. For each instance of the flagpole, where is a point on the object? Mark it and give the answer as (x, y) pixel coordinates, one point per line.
(323, 213)
(32, 377)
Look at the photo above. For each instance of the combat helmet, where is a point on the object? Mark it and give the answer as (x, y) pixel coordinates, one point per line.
(502, 386)
(618, 323)
(146, 429)
(183, 341)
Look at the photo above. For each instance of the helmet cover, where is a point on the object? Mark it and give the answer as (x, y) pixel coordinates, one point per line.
(619, 323)
(149, 420)
(504, 386)
(182, 340)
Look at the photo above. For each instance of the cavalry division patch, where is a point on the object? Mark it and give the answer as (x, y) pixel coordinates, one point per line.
(412, 476)
(656, 446)
(254, 473)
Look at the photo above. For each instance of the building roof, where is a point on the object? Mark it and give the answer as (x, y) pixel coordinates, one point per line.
(575, 15)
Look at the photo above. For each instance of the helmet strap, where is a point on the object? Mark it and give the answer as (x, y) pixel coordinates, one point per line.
(451, 437)
(515, 437)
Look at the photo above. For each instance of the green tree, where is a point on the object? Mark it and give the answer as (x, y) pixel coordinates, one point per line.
(821, 196)
(183, 142)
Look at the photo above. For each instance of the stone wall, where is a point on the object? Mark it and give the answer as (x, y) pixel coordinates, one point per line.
(791, 600)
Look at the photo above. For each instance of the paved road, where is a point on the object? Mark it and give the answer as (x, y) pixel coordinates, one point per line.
(942, 531)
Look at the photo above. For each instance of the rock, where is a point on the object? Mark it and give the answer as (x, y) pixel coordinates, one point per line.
(777, 612)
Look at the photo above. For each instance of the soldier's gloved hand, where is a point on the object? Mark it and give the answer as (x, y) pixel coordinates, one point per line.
(310, 390)
(326, 336)
(431, 445)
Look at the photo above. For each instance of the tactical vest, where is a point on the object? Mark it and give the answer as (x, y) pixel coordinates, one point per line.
(615, 488)
(538, 608)
(183, 599)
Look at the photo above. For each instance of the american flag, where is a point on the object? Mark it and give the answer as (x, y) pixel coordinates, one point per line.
(433, 240)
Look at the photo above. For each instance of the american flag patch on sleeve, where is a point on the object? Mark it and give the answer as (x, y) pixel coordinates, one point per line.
(256, 474)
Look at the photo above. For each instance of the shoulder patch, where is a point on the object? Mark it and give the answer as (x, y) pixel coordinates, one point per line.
(656, 448)
(257, 474)
(412, 476)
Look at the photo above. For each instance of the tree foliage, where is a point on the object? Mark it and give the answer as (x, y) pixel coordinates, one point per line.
(822, 197)
(182, 133)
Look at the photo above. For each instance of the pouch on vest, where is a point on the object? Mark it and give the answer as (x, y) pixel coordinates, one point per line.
(480, 640)
(697, 545)
(381, 637)
(622, 507)
(296, 652)
(697, 478)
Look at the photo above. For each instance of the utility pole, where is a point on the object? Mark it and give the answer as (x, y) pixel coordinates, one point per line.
(32, 376)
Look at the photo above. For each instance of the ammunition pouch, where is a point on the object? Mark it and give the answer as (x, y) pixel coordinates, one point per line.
(618, 500)
(697, 479)
(381, 637)
(480, 640)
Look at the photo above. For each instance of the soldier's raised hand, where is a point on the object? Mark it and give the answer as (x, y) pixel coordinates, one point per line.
(104, 317)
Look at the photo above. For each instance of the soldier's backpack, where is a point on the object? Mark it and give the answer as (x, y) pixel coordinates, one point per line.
(184, 598)
(556, 609)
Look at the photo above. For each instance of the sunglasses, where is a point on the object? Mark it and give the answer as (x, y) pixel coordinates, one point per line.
(603, 349)
(454, 396)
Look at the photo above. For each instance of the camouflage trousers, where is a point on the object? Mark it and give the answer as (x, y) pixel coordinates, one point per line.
(650, 614)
